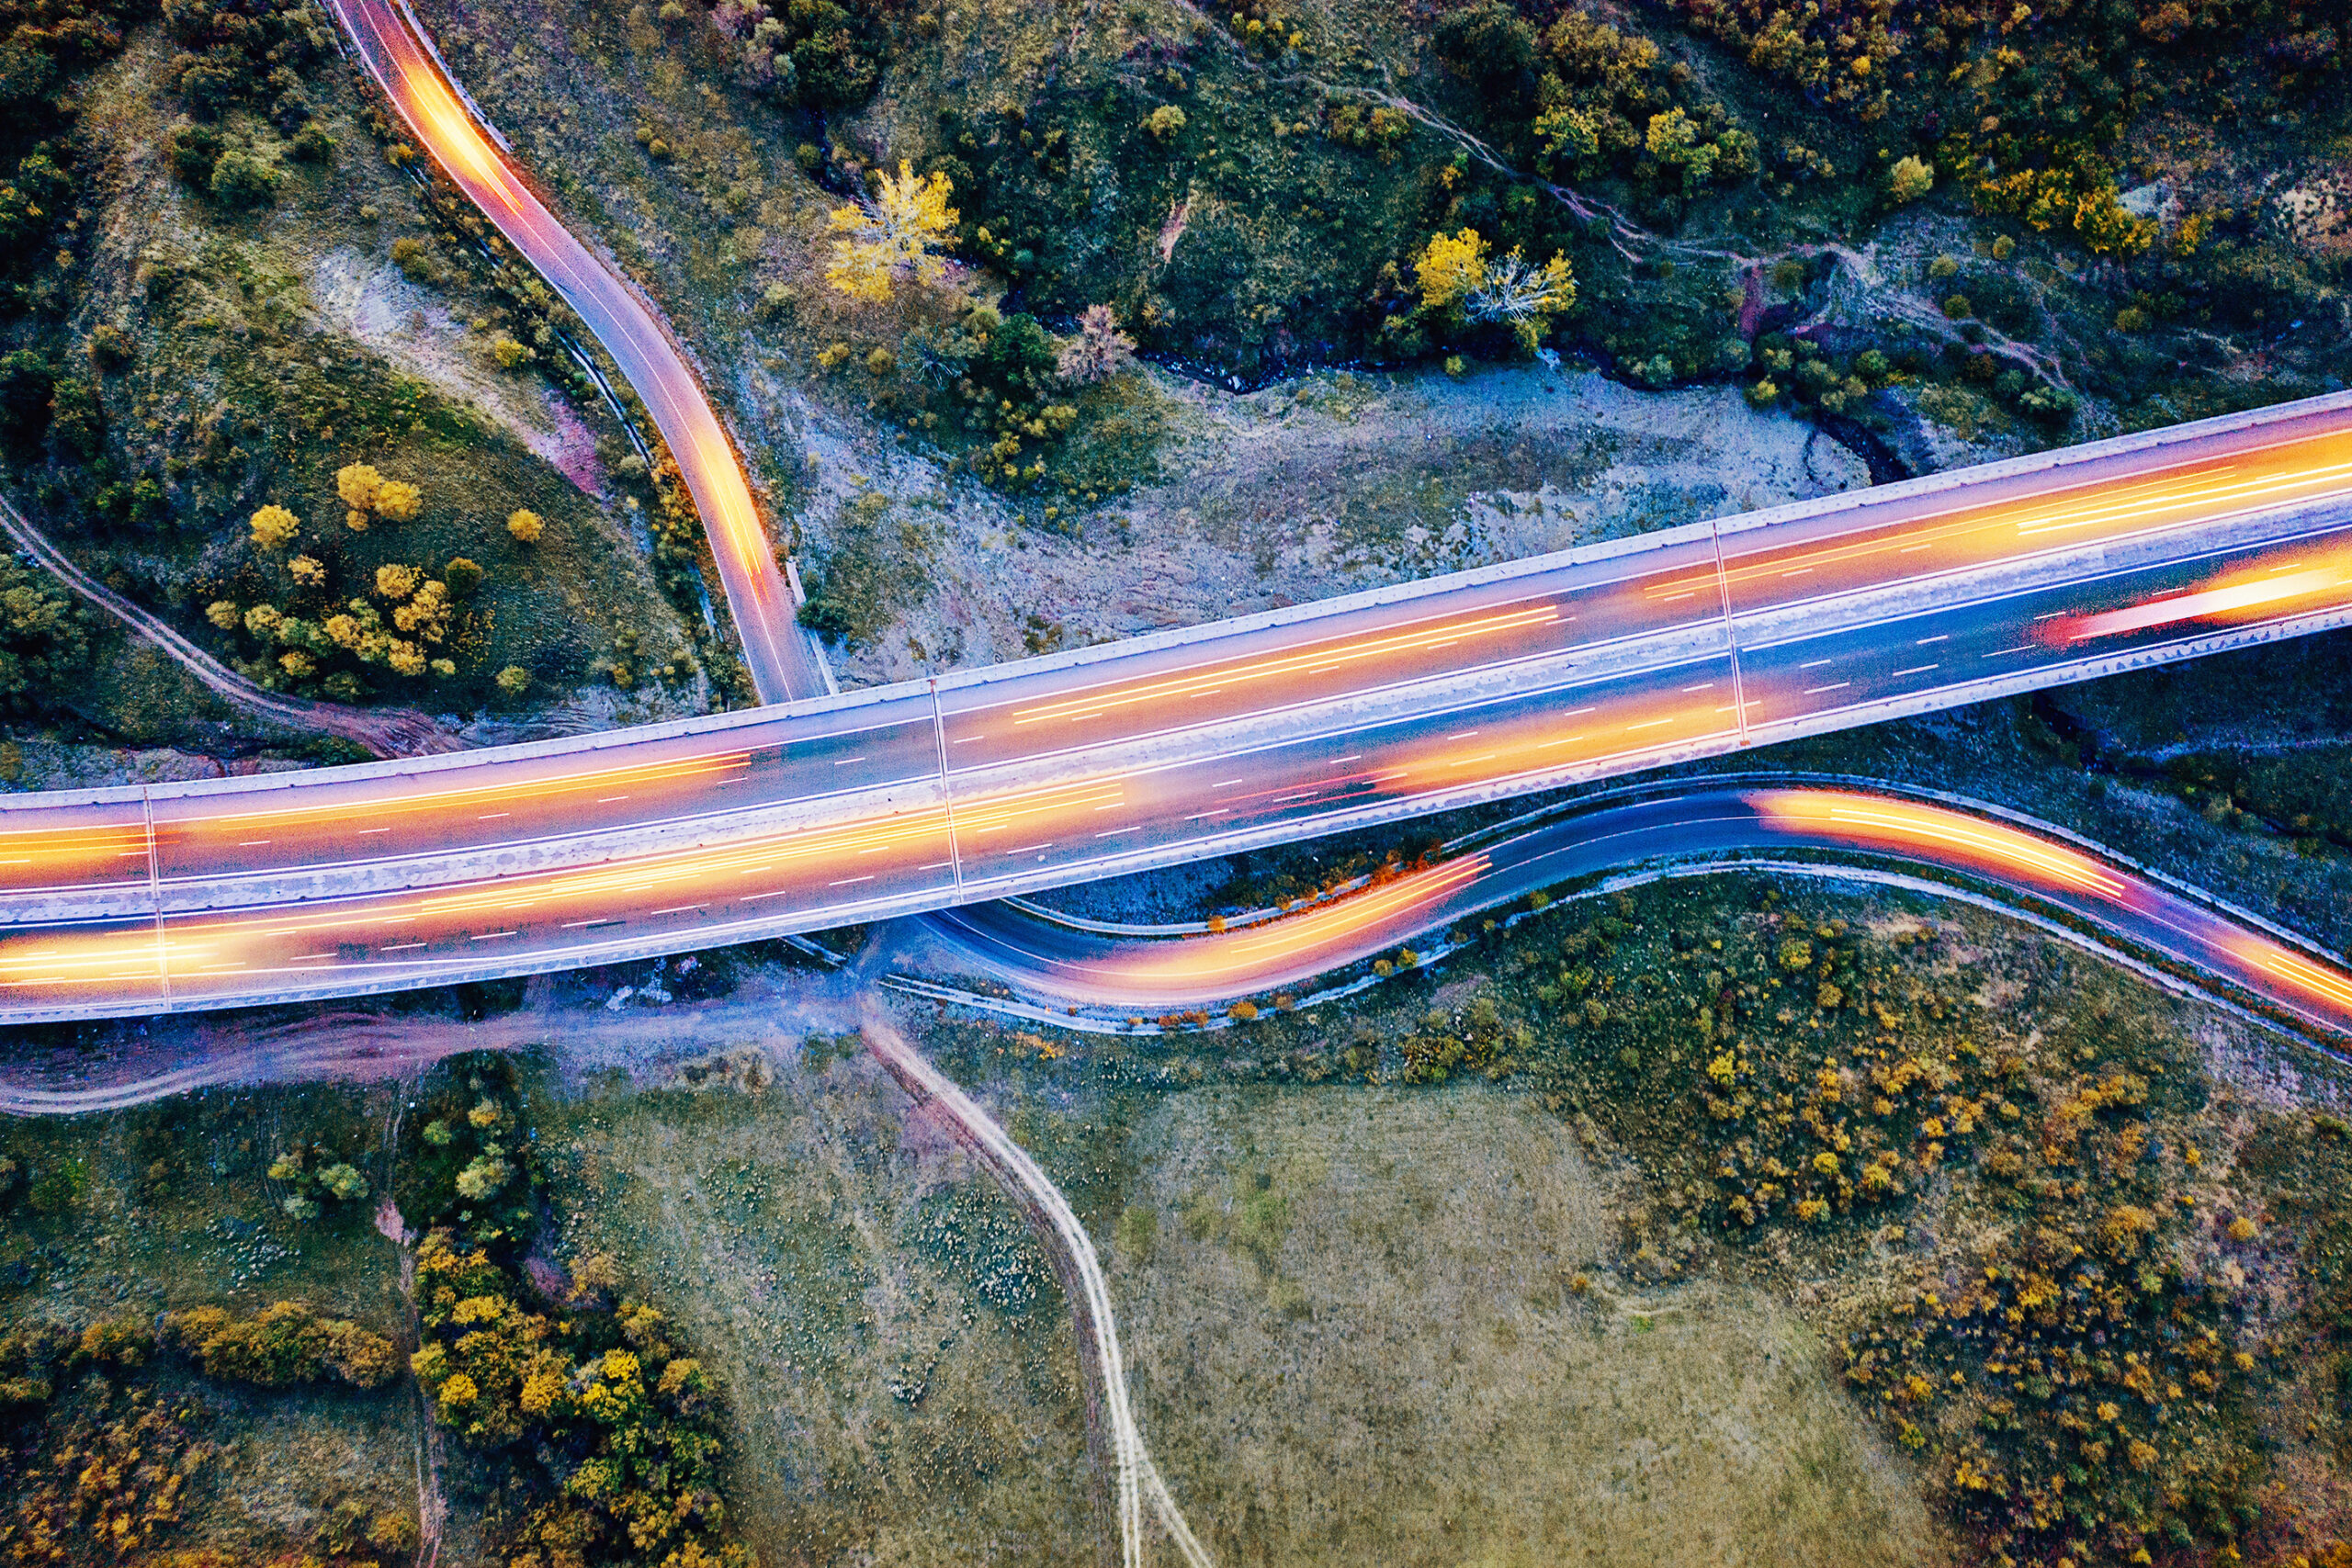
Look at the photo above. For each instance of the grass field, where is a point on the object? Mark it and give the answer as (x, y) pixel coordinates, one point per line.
(1376, 1325)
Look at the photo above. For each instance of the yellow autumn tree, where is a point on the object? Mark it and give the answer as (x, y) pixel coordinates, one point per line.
(357, 483)
(1525, 296)
(396, 501)
(2077, 199)
(1451, 265)
(1911, 178)
(897, 234)
(525, 526)
(1459, 281)
(427, 614)
(366, 492)
(273, 525)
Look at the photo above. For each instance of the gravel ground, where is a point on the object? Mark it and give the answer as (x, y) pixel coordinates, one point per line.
(1306, 489)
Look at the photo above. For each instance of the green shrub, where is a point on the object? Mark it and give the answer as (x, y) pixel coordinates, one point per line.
(605, 1426)
(815, 54)
(111, 348)
(1909, 180)
(77, 425)
(313, 1180)
(243, 179)
(44, 638)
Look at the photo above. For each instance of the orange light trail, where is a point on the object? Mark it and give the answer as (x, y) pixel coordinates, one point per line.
(1912, 829)
(451, 131)
(530, 793)
(2330, 986)
(2190, 495)
(2130, 502)
(1313, 662)
(1938, 833)
(620, 889)
(1299, 944)
(653, 364)
(1158, 973)
(2229, 597)
(1633, 727)
(100, 844)
(138, 957)
(104, 845)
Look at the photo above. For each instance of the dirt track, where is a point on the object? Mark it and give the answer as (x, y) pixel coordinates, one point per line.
(177, 1055)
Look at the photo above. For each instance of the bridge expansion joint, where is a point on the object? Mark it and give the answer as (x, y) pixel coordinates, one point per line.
(1731, 632)
(946, 794)
(155, 891)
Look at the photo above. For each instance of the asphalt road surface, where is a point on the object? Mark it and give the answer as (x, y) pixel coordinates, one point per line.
(2085, 887)
(782, 663)
(1428, 697)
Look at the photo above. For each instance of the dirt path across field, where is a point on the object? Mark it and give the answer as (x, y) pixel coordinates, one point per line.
(385, 732)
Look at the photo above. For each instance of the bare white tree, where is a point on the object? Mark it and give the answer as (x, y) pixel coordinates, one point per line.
(1098, 351)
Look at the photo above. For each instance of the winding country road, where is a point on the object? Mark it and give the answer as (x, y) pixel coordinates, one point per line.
(387, 732)
(396, 54)
(1080, 1271)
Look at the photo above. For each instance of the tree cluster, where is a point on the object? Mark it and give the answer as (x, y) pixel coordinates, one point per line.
(283, 1343)
(44, 643)
(608, 1427)
(322, 637)
(44, 46)
(102, 1463)
(1585, 100)
(44, 407)
(118, 1473)
(313, 1180)
(812, 54)
(2047, 93)
(1000, 377)
(244, 54)
(2077, 1382)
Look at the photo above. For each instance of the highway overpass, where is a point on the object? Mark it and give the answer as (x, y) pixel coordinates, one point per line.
(1691, 642)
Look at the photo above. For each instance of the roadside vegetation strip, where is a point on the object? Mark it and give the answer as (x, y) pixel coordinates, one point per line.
(1137, 1480)
(2092, 897)
(384, 732)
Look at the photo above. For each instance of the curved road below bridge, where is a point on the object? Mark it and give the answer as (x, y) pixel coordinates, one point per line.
(2037, 869)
